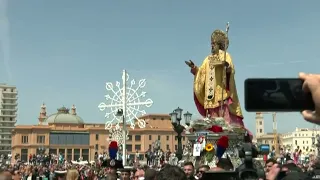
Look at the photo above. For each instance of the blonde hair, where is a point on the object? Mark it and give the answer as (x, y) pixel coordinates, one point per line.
(72, 174)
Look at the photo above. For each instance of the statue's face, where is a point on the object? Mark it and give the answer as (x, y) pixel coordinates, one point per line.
(214, 47)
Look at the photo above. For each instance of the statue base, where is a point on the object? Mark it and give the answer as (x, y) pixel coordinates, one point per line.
(232, 151)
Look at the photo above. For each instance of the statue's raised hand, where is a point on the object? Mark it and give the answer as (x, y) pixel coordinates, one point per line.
(190, 64)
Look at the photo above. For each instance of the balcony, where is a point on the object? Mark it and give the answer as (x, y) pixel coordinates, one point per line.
(7, 126)
(7, 97)
(5, 139)
(9, 115)
(5, 150)
(9, 109)
(5, 144)
(5, 133)
(11, 122)
(10, 92)
(9, 104)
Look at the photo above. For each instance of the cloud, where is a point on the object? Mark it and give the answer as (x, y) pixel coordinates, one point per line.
(5, 37)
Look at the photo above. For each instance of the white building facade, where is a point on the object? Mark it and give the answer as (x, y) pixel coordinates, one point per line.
(302, 138)
(8, 116)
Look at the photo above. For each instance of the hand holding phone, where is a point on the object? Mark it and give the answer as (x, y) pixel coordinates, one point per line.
(276, 95)
(312, 84)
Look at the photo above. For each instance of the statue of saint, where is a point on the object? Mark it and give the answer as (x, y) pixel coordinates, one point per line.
(215, 92)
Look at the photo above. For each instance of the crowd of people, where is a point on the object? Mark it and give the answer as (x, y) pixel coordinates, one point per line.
(52, 167)
(106, 170)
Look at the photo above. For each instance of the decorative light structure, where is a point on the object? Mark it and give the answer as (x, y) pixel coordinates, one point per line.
(124, 105)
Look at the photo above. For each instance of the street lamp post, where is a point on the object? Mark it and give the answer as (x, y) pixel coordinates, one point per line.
(120, 112)
(176, 117)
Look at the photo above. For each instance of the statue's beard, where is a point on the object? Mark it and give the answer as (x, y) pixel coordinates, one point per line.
(214, 50)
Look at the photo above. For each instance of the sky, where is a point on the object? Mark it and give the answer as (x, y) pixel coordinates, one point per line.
(62, 52)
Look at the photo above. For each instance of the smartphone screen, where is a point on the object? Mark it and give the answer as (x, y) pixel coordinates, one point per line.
(276, 95)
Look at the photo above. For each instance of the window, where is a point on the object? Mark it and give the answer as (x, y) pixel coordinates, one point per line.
(24, 155)
(69, 138)
(296, 142)
(24, 140)
(168, 147)
(129, 147)
(41, 139)
(167, 138)
(137, 138)
(175, 147)
(62, 152)
(260, 130)
(150, 147)
(96, 147)
(260, 122)
(150, 137)
(129, 137)
(97, 137)
(53, 151)
(137, 147)
(85, 154)
(183, 138)
(69, 154)
(159, 137)
(76, 154)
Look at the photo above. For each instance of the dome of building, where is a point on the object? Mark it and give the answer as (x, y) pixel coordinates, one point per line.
(64, 117)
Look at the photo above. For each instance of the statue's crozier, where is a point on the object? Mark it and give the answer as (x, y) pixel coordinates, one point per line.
(209, 83)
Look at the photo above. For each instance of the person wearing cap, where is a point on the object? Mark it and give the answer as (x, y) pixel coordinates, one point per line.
(112, 166)
(125, 173)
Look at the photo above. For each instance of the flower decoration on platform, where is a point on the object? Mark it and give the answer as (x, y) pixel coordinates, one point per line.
(209, 153)
(200, 124)
(215, 129)
(209, 147)
(237, 129)
(220, 121)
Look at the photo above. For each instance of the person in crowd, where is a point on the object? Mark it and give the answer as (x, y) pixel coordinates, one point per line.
(188, 169)
(72, 174)
(150, 174)
(125, 173)
(225, 164)
(201, 170)
(269, 164)
(140, 172)
(170, 172)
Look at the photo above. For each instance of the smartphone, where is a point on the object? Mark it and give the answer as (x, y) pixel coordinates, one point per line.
(276, 95)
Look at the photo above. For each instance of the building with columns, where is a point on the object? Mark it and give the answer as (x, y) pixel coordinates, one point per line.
(67, 133)
(302, 138)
